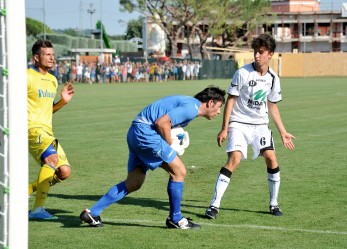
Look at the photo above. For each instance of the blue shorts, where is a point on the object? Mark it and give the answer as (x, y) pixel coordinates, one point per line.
(147, 149)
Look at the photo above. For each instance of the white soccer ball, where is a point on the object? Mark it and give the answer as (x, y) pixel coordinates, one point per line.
(180, 140)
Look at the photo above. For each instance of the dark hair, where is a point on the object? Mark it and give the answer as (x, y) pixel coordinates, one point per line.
(264, 40)
(36, 49)
(211, 92)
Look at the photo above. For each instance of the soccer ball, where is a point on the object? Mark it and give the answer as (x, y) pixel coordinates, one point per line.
(180, 140)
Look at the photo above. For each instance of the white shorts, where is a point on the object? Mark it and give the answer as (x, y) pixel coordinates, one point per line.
(241, 135)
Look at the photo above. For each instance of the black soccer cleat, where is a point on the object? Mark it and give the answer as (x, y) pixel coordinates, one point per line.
(93, 221)
(275, 210)
(211, 212)
(184, 223)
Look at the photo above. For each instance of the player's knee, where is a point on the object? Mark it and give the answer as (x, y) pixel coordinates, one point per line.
(183, 172)
(179, 174)
(133, 186)
(52, 160)
(270, 160)
(63, 172)
(231, 166)
(233, 161)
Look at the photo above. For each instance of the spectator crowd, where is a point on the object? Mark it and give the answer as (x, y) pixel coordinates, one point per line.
(127, 71)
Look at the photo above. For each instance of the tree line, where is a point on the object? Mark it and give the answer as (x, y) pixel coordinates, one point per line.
(228, 22)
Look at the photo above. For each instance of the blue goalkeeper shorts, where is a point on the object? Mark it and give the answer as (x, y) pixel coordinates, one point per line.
(147, 149)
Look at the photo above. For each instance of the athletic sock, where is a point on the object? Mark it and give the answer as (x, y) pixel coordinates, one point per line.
(221, 185)
(175, 192)
(43, 185)
(32, 187)
(55, 180)
(116, 193)
(274, 180)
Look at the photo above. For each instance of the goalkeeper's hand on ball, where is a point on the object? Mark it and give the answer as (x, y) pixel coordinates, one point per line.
(180, 140)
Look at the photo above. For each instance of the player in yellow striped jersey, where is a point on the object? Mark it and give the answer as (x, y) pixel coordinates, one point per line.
(43, 146)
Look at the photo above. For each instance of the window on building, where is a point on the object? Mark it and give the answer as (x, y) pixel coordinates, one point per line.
(323, 29)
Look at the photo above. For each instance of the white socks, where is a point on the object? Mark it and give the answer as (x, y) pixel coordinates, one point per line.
(223, 180)
(274, 180)
(221, 185)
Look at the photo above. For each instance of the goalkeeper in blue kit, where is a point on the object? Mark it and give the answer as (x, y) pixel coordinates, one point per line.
(151, 146)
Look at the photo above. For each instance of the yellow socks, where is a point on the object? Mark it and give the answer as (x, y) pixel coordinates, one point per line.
(55, 180)
(42, 185)
(32, 187)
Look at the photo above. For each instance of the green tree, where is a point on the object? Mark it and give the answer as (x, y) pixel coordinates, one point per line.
(228, 23)
(105, 36)
(134, 28)
(202, 19)
(35, 27)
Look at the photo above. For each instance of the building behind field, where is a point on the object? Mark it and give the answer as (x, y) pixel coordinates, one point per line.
(302, 26)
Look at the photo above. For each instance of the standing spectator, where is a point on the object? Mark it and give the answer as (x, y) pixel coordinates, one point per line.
(116, 60)
(87, 75)
(85, 67)
(102, 73)
(188, 71)
(180, 70)
(151, 72)
(80, 73)
(129, 71)
(112, 73)
(184, 70)
(175, 71)
(141, 71)
(93, 74)
(146, 70)
(73, 72)
(167, 72)
(196, 70)
(67, 72)
(107, 73)
(159, 72)
(125, 72)
(61, 72)
(97, 73)
(116, 72)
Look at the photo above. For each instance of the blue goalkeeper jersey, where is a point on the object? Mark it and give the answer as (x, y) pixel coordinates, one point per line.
(180, 109)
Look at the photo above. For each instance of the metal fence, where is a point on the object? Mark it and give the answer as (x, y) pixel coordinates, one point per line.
(218, 69)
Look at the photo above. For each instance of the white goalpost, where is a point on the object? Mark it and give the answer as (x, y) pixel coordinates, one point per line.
(13, 126)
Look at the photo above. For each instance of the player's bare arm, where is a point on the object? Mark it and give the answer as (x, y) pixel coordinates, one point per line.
(67, 93)
(222, 135)
(287, 138)
(163, 126)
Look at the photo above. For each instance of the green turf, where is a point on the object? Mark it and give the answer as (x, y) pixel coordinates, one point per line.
(92, 130)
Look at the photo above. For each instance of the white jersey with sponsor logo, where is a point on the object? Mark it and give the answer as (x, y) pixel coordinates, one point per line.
(253, 91)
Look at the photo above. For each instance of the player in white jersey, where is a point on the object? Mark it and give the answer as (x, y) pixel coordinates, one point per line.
(254, 91)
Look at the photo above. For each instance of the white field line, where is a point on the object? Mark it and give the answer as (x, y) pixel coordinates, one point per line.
(233, 226)
(117, 137)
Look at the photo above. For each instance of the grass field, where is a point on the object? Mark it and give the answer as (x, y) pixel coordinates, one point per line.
(313, 196)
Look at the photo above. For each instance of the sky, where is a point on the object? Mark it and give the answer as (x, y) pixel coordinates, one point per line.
(63, 14)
